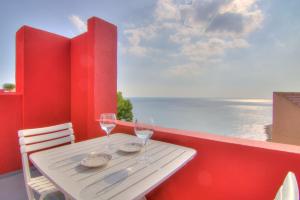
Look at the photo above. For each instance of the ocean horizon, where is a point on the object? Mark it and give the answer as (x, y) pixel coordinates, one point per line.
(233, 117)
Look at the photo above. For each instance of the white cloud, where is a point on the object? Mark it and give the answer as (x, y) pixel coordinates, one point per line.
(202, 51)
(79, 24)
(137, 50)
(184, 70)
(136, 35)
(203, 30)
(166, 10)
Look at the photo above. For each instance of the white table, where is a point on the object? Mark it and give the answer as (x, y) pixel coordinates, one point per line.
(122, 178)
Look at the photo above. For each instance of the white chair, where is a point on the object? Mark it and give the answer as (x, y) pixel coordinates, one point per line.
(37, 139)
(289, 189)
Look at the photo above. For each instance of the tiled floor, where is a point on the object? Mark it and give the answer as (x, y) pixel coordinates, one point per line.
(12, 187)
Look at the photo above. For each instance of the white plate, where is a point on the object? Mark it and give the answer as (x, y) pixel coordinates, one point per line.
(96, 159)
(131, 147)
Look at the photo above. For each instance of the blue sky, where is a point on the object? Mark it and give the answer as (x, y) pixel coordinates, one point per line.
(199, 48)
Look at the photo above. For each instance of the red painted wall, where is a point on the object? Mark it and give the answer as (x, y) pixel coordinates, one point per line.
(59, 80)
(225, 168)
(10, 122)
(43, 77)
(103, 44)
(79, 86)
(102, 76)
(93, 77)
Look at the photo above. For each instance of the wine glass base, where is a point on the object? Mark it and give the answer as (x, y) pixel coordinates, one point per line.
(144, 160)
(109, 148)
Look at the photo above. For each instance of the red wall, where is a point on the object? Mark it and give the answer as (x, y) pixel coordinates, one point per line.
(104, 62)
(225, 168)
(44, 65)
(93, 77)
(102, 76)
(59, 80)
(10, 122)
(79, 86)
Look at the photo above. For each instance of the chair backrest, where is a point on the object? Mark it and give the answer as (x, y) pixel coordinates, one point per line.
(289, 189)
(41, 138)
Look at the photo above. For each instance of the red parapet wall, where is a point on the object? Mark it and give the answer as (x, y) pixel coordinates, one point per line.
(10, 122)
(225, 168)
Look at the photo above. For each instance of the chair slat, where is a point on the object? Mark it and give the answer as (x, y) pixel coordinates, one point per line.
(45, 137)
(279, 194)
(47, 144)
(36, 131)
(290, 189)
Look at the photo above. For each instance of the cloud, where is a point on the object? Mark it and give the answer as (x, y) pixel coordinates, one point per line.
(184, 70)
(203, 51)
(225, 17)
(79, 24)
(166, 10)
(206, 10)
(135, 35)
(202, 30)
(227, 22)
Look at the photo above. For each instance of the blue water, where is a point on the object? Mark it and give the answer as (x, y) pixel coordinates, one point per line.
(243, 118)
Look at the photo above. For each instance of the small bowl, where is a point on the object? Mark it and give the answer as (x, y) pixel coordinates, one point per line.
(131, 147)
(96, 159)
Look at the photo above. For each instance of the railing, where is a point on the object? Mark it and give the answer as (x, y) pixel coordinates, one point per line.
(225, 168)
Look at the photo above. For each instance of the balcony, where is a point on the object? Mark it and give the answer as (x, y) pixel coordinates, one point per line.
(61, 79)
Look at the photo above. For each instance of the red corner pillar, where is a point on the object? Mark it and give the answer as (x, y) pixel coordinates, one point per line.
(93, 76)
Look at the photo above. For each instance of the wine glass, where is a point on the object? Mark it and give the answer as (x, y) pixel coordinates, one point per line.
(144, 130)
(108, 123)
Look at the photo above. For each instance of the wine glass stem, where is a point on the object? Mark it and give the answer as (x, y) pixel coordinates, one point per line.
(108, 139)
(145, 145)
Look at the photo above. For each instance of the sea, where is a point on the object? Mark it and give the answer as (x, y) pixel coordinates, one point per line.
(242, 118)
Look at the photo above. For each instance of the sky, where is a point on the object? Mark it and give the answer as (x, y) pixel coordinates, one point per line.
(177, 48)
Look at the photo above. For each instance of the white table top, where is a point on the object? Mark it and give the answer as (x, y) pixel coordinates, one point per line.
(122, 178)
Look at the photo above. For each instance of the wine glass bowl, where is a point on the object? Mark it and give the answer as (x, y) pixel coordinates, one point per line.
(108, 123)
(144, 131)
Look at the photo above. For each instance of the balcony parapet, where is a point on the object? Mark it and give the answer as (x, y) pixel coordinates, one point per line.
(10, 93)
(217, 138)
(224, 168)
